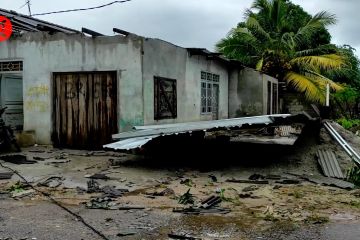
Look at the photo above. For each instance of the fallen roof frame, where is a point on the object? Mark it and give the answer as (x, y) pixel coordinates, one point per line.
(144, 134)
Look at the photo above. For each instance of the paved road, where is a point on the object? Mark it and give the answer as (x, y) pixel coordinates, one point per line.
(46, 221)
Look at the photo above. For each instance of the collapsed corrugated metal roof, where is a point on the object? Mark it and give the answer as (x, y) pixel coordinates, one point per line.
(329, 164)
(144, 134)
(22, 23)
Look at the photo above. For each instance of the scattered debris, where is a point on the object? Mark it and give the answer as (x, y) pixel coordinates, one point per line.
(197, 211)
(165, 181)
(131, 208)
(182, 236)
(250, 188)
(113, 192)
(106, 203)
(233, 180)
(288, 181)
(207, 206)
(329, 164)
(6, 175)
(58, 161)
(186, 198)
(17, 159)
(210, 202)
(93, 186)
(273, 177)
(100, 176)
(326, 181)
(61, 156)
(165, 192)
(124, 234)
(52, 182)
(188, 182)
(245, 195)
(256, 177)
(213, 178)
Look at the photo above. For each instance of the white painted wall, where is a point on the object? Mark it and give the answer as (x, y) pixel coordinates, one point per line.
(137, 60)
(43, 54)
(166, 60)
(248, 92)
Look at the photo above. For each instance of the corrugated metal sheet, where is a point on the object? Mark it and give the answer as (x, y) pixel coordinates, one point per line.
(22, 22)
(144, 134)
(128, 144)
(156, 130)
(329, 164)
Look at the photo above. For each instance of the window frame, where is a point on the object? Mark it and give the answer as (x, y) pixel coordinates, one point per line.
(159, 92)
(207, 82)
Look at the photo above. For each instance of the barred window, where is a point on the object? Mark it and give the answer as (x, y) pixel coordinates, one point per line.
(209, 92)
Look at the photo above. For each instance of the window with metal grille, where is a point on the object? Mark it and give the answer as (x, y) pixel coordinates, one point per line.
(11, 66)
(165, 99)
(209, 82)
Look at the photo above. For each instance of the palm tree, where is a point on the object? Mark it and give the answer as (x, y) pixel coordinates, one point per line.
(264, 41)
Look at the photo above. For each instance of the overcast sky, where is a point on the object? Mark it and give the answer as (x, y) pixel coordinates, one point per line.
(188, 23)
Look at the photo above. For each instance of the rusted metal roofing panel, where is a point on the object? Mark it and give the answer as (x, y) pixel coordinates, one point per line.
(329, 164)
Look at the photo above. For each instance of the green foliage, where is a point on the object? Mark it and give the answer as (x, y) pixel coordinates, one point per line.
(348, 123)
(350, 74)
(353, 175)
(186, 198)
(278, 38)
(17, 187)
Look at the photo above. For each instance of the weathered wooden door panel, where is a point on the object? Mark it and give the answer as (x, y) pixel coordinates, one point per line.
(85, 106)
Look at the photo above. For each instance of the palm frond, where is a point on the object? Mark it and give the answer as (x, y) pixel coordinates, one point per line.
(260, 64)
(255, 26)
(323, 81)
(307, 85)
(321, 50)
(325, 62)
(317, 22)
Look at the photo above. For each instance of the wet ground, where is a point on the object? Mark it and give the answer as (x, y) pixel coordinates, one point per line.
(274, 210)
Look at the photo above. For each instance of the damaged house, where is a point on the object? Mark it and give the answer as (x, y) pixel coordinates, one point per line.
(75, 89)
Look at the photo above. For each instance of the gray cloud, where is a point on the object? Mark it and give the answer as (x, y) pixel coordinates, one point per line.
(188, 23)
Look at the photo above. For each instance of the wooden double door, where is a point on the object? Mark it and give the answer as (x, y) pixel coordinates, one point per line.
(84, 109)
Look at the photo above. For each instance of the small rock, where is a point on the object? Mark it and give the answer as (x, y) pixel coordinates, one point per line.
(250, 188)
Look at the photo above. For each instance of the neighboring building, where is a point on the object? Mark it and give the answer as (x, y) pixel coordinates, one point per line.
(76, 91)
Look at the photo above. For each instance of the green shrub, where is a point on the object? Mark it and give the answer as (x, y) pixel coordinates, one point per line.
(353, 175)
(348, 123)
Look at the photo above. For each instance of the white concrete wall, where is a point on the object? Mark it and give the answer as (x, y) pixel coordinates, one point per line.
(196, 64)
(166, 60)
(162, 59)
(43, 54)
(136, 60)
(248, 92)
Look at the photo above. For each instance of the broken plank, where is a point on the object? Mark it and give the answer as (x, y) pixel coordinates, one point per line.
(233, 180)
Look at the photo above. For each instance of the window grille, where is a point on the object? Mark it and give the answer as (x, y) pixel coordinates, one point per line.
(209, 91)
(11, 66)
